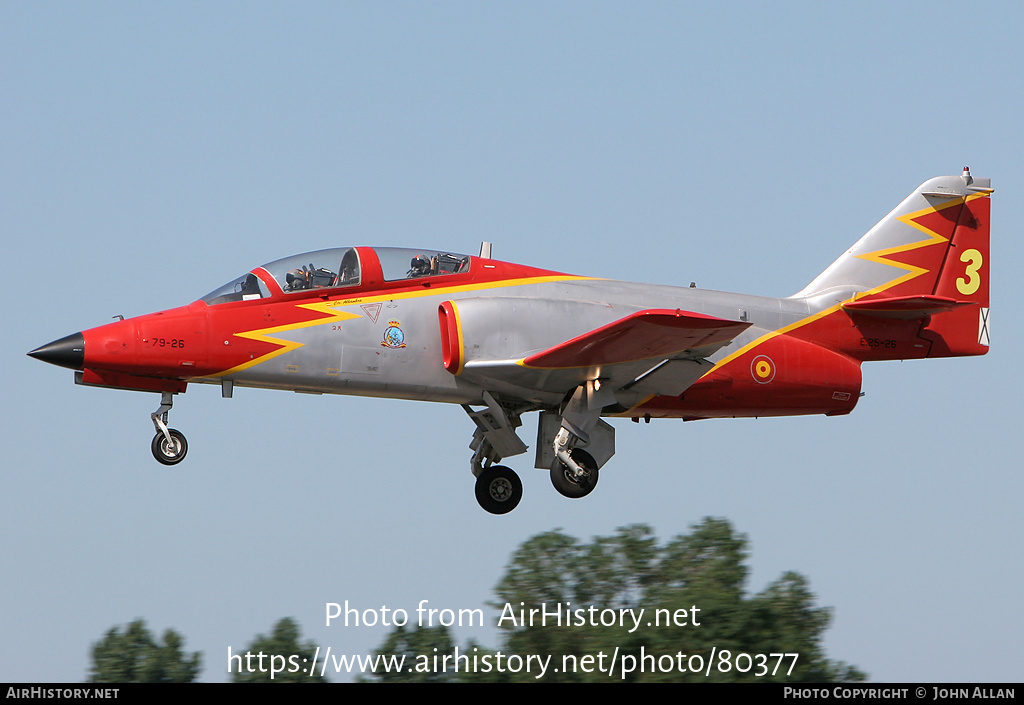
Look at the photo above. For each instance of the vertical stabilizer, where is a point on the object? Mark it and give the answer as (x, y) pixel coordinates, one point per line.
(905, 252)
(926, 263)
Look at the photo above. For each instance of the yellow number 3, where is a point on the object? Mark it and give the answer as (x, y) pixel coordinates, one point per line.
(970, 285)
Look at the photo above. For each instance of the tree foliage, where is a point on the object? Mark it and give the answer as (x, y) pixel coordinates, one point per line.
(704, 569)
(418, 649)
(132, 656)
(279, 658)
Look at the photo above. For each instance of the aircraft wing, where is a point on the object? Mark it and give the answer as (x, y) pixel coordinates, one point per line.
(652, 351)
(640, 336)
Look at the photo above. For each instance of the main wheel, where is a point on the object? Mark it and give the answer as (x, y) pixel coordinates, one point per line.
(169, 453)
(566, 483)
(498, 489)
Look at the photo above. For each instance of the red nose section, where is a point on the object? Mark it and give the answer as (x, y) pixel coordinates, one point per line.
(113, 347)
(159, 351)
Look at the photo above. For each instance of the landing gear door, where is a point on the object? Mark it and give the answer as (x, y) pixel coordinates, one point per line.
(601, 445)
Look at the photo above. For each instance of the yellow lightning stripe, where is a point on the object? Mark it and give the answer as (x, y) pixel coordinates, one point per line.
(265, 335)
(912, 271)
(933, 239)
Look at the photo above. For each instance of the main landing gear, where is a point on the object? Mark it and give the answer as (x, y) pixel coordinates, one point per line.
(572, 443)
(169, 445)
(571, 483)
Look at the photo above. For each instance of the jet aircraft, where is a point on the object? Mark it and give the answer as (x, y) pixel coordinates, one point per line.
(503, 340)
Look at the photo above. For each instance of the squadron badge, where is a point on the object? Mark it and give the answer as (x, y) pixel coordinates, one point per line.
(393, 336)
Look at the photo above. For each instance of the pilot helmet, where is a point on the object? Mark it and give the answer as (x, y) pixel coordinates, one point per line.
(420, 266)
(296, 279)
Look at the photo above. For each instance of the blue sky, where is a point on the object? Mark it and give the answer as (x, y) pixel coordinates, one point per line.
(151, 152)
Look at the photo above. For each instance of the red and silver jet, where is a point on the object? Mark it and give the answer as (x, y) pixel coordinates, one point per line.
(504, 339)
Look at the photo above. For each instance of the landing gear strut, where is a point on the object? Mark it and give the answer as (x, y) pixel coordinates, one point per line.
(572, 442)
(498, 488)
(169, 445)
(562, 436)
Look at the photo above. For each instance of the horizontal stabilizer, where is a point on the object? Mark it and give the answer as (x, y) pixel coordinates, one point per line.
(639, 336)
(905, 307)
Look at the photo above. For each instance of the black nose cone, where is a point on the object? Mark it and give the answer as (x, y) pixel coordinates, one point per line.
(68, 352)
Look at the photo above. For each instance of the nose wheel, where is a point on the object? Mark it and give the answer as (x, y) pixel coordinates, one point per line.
(169, 449)
(169, 445)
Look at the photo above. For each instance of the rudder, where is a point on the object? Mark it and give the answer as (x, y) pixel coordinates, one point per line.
(964, 277)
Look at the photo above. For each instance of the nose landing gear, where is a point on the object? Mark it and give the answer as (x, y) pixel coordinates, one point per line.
(169, 445)
(498, 489)
(169, 452)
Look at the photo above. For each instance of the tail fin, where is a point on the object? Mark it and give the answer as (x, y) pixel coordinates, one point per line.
(927, 260)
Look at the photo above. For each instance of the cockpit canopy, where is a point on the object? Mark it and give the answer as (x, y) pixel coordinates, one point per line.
(338, 268)
(246, 287)
(401, 263)
(335, 268)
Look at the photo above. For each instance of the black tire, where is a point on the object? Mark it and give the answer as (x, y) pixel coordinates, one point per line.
(566, 484)
(167, 454)
(498, 489)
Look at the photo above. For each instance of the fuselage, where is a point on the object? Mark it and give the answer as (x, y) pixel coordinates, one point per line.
(375, 337)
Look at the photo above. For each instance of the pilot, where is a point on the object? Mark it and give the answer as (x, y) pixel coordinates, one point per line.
(296, 279)
(419, 267)
(250, 285)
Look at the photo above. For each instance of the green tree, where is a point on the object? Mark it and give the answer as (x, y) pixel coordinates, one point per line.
(704, 569)
(554, 569)
(278, 658)
(132, 656)
(695, 585)
(414, 656)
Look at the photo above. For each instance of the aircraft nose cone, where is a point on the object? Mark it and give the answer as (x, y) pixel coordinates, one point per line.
(68, 352)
